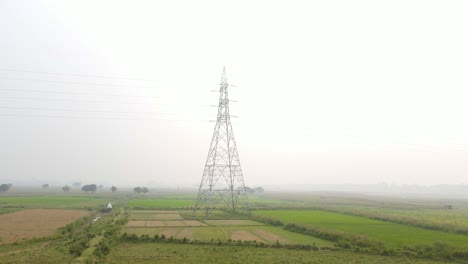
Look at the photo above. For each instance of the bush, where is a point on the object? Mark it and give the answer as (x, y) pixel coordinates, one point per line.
(78, 247)
(102, 249)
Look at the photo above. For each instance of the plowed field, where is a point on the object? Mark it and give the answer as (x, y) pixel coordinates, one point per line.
(26, 224)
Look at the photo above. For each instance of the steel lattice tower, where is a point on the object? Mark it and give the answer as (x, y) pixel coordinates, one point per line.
(222, 184)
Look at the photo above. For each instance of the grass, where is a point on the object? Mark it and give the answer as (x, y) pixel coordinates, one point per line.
(391, 233)
(33, 252)
(184, 253)
(9, 210)
(51, 202)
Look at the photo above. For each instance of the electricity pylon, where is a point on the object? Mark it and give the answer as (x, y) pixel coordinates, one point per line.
(222, 185)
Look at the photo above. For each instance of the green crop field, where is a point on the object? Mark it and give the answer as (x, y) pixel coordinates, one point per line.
(391, 233)
(57, 202)
(157, 203)
(265, 234)
(147, 216)
(172, 224)
(180, 253)
(439, 214)
(454, 220)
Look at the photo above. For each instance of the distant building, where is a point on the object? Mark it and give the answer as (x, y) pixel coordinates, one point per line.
(107, 209)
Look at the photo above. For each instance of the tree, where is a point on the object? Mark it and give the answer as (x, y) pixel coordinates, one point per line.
(66, 188)
(113, 188)
(140, 190)
(89, 188)
(45, 186)
(100, 186)
(137, 190)
(256, 190)
(4, 187)
(76, 184)
(248, 190)
(259, 189)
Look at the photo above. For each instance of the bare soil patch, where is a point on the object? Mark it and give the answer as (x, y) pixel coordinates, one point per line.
(232, 222)
(245, 235)
(26, 224)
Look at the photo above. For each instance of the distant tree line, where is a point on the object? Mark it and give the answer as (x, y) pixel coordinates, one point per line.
(89, 188)
(140, 190)
(86, 188)
(255, 190)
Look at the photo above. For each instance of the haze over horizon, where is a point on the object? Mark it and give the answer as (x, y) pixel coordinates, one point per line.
(333, 92)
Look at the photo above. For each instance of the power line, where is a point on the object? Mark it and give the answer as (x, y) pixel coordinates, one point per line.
(79, 75)
(70, 100)
(82, 93)
(103, 118)
(84, 101)
(88, 111)
(81, 83)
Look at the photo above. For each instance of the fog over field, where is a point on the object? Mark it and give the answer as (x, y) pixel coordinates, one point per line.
(329, 93)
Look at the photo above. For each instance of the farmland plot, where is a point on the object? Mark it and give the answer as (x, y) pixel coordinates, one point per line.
(26, 224)
(208, 230)
(179, 253)
(52, 202)
(394, 234)
(167, 223)
(155, 216)
(159, 203)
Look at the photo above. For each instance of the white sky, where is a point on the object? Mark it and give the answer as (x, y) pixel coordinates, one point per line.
(329, 91)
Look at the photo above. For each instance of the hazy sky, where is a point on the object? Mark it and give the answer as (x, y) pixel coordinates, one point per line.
(119, 92)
